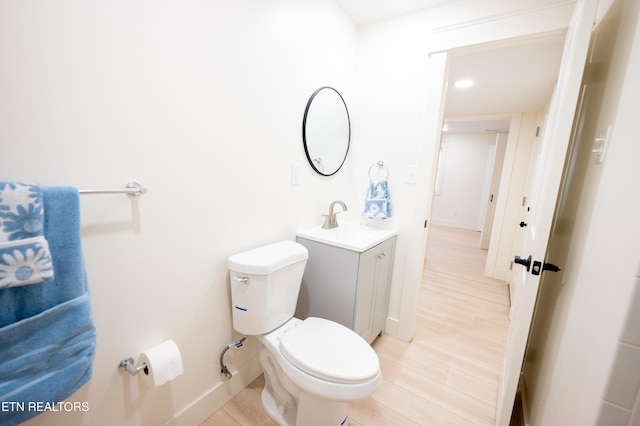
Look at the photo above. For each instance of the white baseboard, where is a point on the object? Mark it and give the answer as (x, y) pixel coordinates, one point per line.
(454, 224)
(391, 326)
(200, 409)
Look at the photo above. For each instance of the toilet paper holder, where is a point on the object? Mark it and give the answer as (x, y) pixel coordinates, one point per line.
(129, 365)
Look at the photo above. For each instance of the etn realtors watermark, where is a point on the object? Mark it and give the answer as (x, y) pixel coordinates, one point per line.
(38, 406)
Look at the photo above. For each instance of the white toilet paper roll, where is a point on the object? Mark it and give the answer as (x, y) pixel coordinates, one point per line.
(163, 362)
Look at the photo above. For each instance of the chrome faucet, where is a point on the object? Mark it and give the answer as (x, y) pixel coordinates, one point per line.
(330, 220)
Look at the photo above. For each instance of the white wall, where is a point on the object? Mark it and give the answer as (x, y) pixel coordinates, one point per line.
(395, 78)
(463, 177)
(202, 102)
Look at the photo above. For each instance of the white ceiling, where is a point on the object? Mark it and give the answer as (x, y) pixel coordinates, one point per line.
(509, 78)
(518, 77)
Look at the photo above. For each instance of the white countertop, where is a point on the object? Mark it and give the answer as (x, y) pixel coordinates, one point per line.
(349, 235)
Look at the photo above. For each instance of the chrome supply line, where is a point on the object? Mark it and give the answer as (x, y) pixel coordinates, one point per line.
(223, 367)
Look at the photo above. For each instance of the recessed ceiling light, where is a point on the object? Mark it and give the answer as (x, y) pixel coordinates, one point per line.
(464, 83)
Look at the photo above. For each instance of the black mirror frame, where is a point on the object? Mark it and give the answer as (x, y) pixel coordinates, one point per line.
(304, 133)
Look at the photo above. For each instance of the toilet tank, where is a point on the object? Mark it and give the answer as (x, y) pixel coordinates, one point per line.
(265, 283)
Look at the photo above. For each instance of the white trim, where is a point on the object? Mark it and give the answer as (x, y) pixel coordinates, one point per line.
(525, 22)
(391, 326)
(203, 407)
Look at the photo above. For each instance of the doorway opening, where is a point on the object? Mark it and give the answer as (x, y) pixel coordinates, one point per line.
(512, 84)
(505, 68)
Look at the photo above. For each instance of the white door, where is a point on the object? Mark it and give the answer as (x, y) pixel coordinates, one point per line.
(488, 207)
(543, 195)
(495, 161)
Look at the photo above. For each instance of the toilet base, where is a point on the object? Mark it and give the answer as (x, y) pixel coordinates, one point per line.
(278, 413)
(311, 411)
(318, 411)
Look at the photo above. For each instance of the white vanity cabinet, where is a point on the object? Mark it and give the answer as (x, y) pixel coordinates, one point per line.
(348, 286)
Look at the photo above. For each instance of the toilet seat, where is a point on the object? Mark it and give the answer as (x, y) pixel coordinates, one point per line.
(329, 351)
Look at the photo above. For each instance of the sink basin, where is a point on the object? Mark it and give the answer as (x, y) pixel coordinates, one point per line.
(350, 236)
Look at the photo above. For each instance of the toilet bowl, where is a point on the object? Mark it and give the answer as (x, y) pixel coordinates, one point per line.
(312, 367)
(325, 358)
(322, 363)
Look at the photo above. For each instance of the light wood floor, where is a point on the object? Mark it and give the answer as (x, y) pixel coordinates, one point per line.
(449, 374)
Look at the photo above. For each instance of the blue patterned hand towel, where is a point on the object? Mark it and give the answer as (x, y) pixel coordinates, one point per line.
(24, 251)
(378, 202)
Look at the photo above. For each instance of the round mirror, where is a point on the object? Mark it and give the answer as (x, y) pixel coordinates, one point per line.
(326, 131)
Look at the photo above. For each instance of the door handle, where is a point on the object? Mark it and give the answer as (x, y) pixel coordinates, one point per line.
(523, 224)
(550, 267)
(524, 262)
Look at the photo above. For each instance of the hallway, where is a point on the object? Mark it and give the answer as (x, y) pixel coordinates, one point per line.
(449, 374)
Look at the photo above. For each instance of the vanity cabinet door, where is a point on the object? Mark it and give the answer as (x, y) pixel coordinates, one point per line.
(328, 287)
(366, 295)
(384, 270)
(374, 279)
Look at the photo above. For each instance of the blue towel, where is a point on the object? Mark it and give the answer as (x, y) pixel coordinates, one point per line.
(24, 251)
(47, 335)
(378, 202)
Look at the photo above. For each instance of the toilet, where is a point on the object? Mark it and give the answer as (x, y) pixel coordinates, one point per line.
(312, 367)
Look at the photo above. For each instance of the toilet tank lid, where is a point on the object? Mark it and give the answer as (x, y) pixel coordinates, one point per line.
(267, 259)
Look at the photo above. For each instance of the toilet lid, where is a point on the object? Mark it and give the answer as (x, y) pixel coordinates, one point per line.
(329, 351)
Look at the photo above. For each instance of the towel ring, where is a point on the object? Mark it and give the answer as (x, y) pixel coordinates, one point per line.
(380, 165)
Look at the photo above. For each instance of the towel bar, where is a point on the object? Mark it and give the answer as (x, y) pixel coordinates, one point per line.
(132, 188)
(128, 364)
